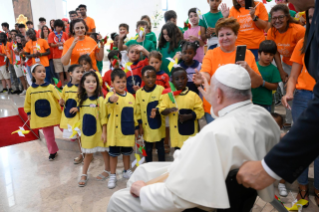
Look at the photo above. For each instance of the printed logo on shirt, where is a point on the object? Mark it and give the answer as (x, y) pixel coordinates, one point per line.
(130, 103)
(246, 23)
(283, 49)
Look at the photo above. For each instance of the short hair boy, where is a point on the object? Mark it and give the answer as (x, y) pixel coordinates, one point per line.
(73, 15)
(29, 24)
(171, 16)
(42, 21)
(113, 65)
(121, 125)
(263, 95)
(5, 26)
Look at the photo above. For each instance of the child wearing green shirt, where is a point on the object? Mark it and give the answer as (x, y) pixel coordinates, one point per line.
(263, 95)
(149, 34)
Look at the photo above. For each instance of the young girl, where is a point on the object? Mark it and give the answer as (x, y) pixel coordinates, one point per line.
(189, 63)
(134, 77)
(93, 124)
(115, 37)
(155, 60)
(41, 105)
(86, 62)
(169, 43)
(193, 34)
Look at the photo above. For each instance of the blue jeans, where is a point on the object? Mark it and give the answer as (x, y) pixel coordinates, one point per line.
(29, 71)
(255, 52)
(48, 74)
(299, 105)
(267, 107)
(208, 118)
(160, 150)
(53, 74)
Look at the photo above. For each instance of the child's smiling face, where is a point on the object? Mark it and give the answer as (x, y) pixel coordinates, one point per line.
(90, 84)
(149, 78)
(179, 79)
(119, 84)
(133, 54)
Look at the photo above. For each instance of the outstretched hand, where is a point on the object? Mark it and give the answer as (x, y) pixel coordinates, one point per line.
(114, 98)
(224, 10)
(205, 91)
(198, 78)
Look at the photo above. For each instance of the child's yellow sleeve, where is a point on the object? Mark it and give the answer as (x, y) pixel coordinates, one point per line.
(138, 106)
(198, 107)
(27, 102)
(63, 96)
(100, 77)
(163, 103)
(55, 92)
(102, 111)
(135, 117)
(107, 102)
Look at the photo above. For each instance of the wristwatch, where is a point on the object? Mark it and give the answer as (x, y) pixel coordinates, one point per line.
(256, 18)
(264, 82)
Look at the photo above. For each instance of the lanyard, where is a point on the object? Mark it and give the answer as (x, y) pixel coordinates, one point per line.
(58, 35)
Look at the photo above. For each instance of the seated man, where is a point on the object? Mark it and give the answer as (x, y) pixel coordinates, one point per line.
(196, 178)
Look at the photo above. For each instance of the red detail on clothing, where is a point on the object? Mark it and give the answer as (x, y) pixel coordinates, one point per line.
(163, 80)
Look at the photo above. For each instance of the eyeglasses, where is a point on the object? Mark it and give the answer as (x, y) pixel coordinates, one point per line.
(280, 18)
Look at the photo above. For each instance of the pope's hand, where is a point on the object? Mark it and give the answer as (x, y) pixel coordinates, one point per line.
(198, 78)
(114, 98)
(252, 175)
(136, 188)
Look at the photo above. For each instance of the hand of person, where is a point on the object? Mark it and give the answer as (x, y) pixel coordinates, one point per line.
(75, 41)
(153, 113)
(29, 117)
(136, 134)
(136, 87)
(37, 54)
(252, 12)
(210, 31)
(103, 137)
(61, 102)
(198, 78)
(178, 55)
(173, 109)
(244, 64)
(139, 48)
(74, 110)
(141, 130)
(285, 99)
(206, 91)
(284, 77)
(252, 175)
(193, 38)
(224, 10)
(184, 117)
(122, 35)
(136, 188)
(114, 98)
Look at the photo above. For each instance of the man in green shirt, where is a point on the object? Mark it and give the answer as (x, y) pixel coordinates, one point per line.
(210, 19)
(263, 95)
(140, 40)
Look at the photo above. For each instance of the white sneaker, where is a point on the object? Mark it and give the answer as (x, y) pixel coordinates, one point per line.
(127, 174)
(282, 190)
(23, 93)
(112, 181)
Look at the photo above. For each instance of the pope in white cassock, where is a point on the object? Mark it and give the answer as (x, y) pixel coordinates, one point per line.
(196, 178)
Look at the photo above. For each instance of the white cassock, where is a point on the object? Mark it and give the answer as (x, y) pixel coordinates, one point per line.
(197, 176)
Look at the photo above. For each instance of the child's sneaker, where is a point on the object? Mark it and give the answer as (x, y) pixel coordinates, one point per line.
(127, 174)
(282, 190)
(53, 156)
(4, 90)
(10, 91)
(112, 181)
(23, 93)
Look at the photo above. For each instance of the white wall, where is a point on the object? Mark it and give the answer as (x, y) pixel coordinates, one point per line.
(6, 14)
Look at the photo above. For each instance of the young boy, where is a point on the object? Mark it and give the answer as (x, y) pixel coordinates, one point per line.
(56, 41)
(42, 22)
(121, 125)
(113, 65)
(4, 73)
(22, 29)
(208, 32)
(183, 114)
(147, 44)
(151, 122)
(30, 25)
(124, 30)
(5, 28)
(263, 95)
(172, 17)
(69, 100)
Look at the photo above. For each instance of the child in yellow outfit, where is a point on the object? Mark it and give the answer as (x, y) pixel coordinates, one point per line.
(93, 123)
(41, 105)
(151, 127)
(184, 114)
(69, 99)
(122, 124)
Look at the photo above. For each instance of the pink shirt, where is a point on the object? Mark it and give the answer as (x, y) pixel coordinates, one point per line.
(195, 31)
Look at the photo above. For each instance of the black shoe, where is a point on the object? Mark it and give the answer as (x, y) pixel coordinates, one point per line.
(10, 91)
(53, 156)
(4, 90)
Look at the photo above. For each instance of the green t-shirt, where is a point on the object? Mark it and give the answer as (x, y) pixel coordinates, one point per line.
(291, 12)
(148, 45)
(151, 37)
(182, 30)
(166, 54)
(262, 95)
(211, 19)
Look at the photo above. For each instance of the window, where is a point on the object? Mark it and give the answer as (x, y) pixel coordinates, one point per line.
(164, 5)
(65, 10)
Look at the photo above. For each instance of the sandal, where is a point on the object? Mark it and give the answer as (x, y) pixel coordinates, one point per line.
(78, 160)
(83, 181)
(102, 177)
(303, 197)
(317, 198)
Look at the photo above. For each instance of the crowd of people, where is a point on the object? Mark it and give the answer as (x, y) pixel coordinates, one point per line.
(145, 94)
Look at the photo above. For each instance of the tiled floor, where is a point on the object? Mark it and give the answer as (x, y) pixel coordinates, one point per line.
(29, 182)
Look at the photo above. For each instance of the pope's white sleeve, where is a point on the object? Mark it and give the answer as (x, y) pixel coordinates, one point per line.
(269, 171)
(157, 197)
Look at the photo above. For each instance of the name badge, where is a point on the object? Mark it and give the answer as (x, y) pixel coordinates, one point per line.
(37, 60)
(60, 47)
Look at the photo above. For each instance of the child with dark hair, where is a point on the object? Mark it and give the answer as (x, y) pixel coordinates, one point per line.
(22, 29)
(115, 46)
(86, 62)
(263, 95)
(99, 64)
(88, 20)
(194, 34)
(151, 122)
(169, 44)
(140, 40)
(69, 100)
(114, 64)
(5, 28)
(189, 63)
(92, 111)
(121, 125)
(155, 60)
(184, 112)
(171, 16)
(151, 36)
(123, 31)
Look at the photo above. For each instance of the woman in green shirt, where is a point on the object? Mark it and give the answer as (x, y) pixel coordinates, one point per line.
(149, 34)
(169, 44)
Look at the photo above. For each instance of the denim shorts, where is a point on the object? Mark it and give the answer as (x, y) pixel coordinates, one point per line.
(117, 150)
